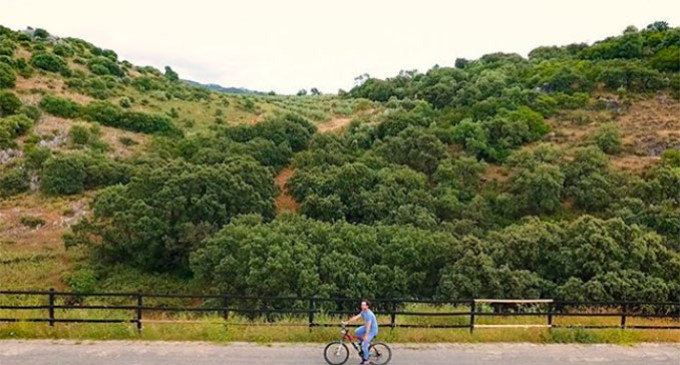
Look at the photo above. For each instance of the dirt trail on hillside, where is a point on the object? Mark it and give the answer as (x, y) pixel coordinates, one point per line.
(285, 202)
(333, 125)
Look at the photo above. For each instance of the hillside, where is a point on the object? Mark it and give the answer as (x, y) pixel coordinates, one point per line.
(222, 89)
(555, 175)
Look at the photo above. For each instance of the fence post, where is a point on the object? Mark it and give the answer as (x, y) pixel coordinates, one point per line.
(624, 308)
(312, 308)
(225, 312)
(392, 314)
(51, 307)
(139, 311)
(550, 314)
(472, 315)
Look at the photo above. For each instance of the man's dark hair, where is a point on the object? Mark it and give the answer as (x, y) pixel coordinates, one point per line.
(368, 304)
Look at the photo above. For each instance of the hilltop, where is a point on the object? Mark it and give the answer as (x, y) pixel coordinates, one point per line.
(222, 89)
(555, 175)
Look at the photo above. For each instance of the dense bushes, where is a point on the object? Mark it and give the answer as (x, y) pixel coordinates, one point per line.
(7, 76)
(73, 173)
(111, 115)
(13, 181)
(413, 147)
(63, 49)
(104, 66)
(667, 59)
(12, 127)
(403, 205)
(162, 214)
(359, 194)
(60, 106)
(497, 103)
(48, 62)
(114, 116)
(288, 128)
(608, 138)
(9, 103)
(300, 257)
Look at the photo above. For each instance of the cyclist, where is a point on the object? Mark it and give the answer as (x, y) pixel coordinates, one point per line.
(368, 331)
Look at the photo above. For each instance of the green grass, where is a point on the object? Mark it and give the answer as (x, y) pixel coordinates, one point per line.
(214, 329)
(198, 327)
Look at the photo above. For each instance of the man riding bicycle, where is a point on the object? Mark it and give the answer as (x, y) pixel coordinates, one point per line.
(368, 331)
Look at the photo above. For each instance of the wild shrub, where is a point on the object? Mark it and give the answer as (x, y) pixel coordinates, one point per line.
(48, 62)
(104, 66)
(112, 115)
(63, 49)
(9, 103)
(12, 127)
(60, 106)
(608, 138)
(13, 181)
(7, 76)
(75, 172)
(31, 221)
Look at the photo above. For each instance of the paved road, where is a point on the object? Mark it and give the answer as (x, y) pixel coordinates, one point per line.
(47, 352)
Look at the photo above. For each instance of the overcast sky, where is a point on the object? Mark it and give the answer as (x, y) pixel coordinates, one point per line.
(286, 45)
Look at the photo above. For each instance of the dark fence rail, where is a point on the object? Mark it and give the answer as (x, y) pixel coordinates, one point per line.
(311, 307)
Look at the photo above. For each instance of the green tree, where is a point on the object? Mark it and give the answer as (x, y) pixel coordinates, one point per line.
(157, 219)
(588, 180)
(538, 188)
(170, 74)
(415, 148)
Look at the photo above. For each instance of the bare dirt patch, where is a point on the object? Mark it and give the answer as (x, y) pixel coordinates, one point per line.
(333, 125)
(29, 86)
(285, 202)
(54, 132)
(58, 214)
(648, 128)
(496, 172)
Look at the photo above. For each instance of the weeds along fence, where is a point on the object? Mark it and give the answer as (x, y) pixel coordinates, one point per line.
(54, 307)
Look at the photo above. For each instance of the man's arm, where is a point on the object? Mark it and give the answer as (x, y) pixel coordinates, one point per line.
(353, 318)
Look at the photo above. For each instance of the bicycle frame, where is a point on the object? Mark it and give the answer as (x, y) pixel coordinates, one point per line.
(348, 337)
(353, 339)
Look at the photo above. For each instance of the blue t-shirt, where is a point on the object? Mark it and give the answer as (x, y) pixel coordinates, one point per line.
(368, 315)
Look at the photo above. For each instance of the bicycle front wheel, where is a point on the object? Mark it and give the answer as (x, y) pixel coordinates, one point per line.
(380, 353)
(336, 353)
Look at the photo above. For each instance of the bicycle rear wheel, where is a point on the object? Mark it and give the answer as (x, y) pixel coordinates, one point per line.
(380, 353)
(336, 353)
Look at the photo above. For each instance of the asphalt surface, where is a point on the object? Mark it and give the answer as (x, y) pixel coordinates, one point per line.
(60, 352)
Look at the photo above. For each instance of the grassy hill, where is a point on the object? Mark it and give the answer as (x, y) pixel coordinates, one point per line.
(555, 175)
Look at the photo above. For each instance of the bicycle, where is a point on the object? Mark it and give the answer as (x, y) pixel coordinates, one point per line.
(337, 352)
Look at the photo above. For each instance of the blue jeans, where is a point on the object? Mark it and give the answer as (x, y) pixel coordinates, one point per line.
(364, 344)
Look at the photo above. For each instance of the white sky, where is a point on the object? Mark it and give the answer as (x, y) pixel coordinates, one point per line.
(286, 45)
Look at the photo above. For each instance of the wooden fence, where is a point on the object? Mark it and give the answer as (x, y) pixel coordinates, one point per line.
(310, 308)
